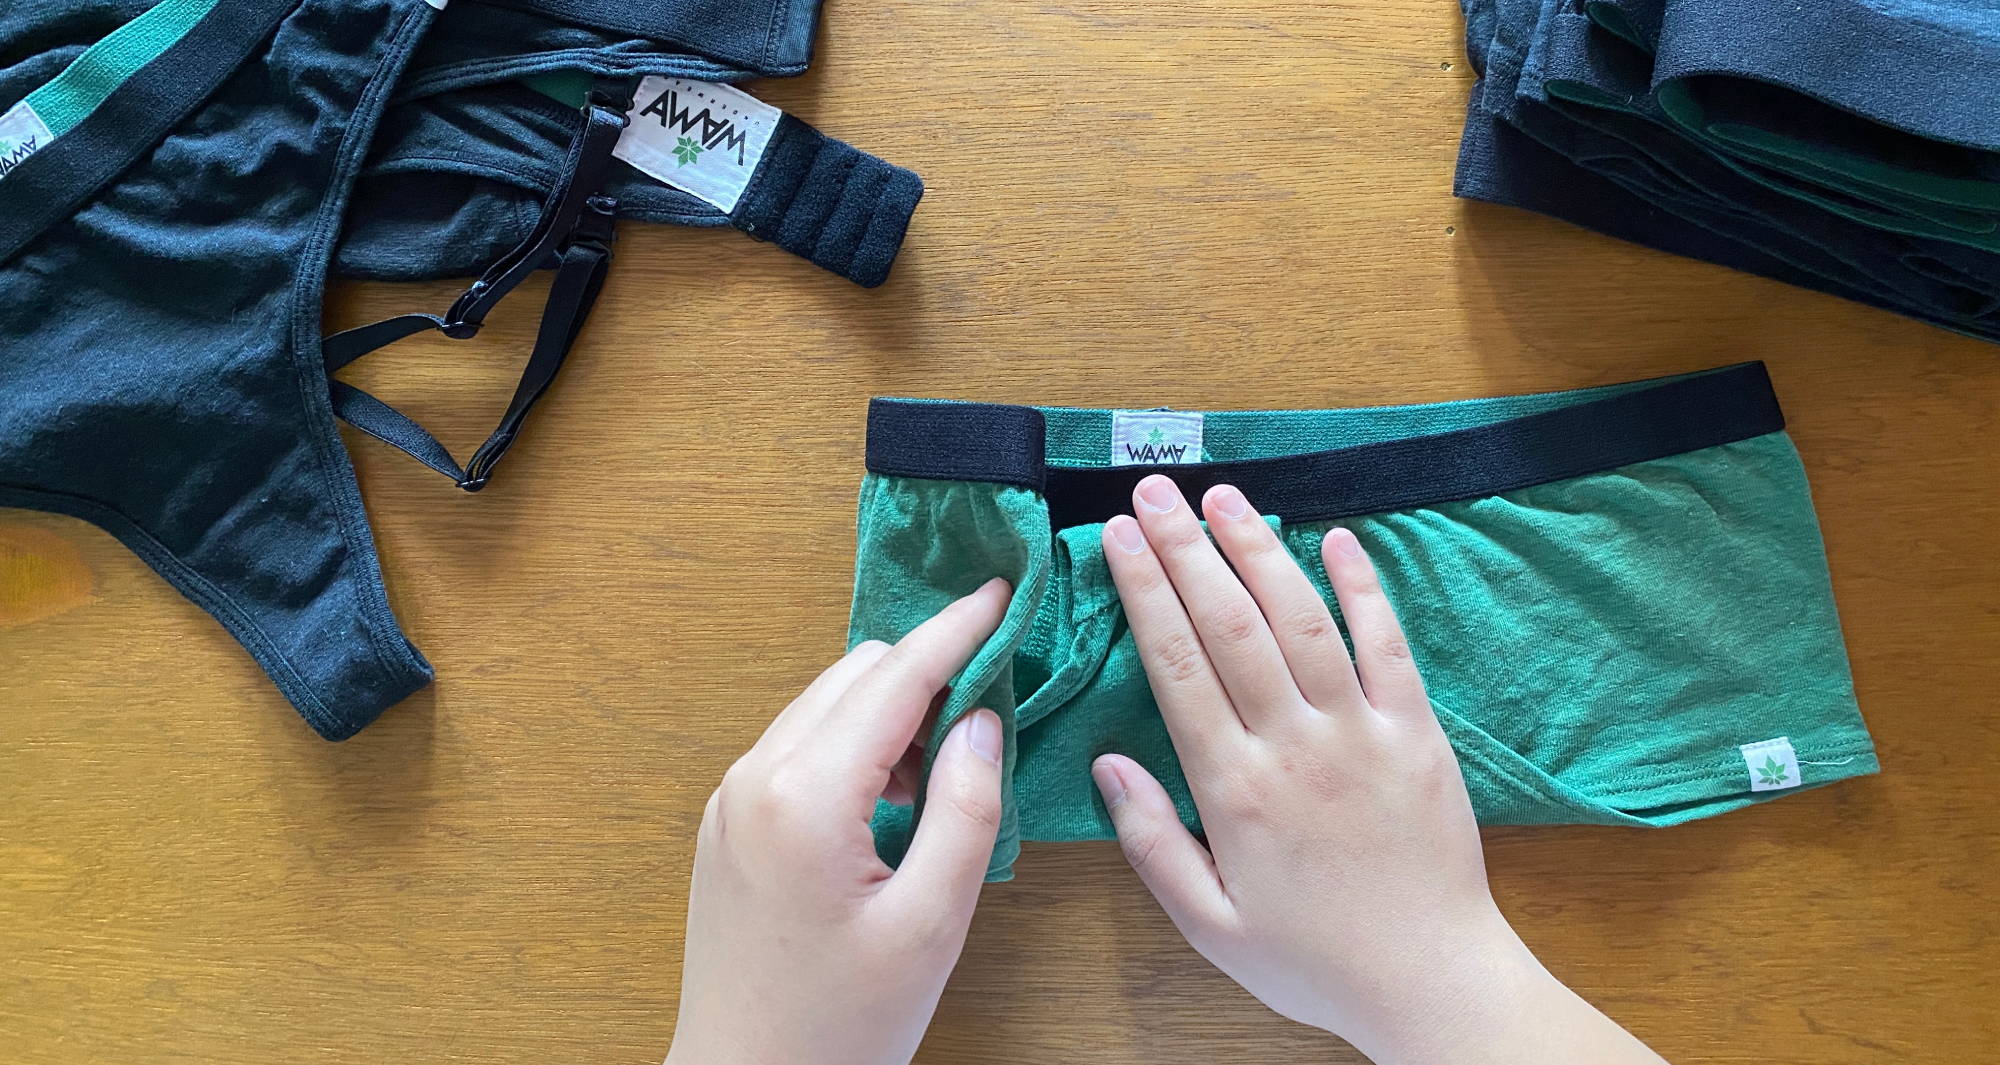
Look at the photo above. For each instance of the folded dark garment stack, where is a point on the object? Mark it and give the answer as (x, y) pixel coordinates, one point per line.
(1848, 146)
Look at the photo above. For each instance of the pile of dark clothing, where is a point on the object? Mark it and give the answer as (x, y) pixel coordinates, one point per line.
(1848, 146)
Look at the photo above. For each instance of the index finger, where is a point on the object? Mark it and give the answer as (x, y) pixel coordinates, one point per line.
(872, 723)
(1192, 701)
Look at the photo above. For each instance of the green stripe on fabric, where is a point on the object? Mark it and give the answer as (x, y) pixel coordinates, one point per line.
(568, 86)
(72, 95)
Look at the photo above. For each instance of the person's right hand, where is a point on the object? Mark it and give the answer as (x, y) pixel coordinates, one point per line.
(802, 946)
(1343, 882)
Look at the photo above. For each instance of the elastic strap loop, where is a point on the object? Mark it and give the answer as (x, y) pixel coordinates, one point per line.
(576, 231)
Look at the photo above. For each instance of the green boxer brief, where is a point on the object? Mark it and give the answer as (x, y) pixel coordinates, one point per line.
(1617, 595)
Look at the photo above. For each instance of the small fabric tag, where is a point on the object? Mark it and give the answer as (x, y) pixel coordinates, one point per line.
(1772, 764)
(1155, 437)
(22, 134)
(701, 137)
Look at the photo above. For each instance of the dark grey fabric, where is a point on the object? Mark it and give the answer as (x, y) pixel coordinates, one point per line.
(163, 264)
(1632, 135)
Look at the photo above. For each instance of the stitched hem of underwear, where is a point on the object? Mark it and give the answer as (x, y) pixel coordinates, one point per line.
(602, 62)
(190, 583)
(779, 15)
(1652, 774)
(1652, 777)
(555, 10)
(1668, 775)
(1600, 806)
(393, 649)
(1599, 812)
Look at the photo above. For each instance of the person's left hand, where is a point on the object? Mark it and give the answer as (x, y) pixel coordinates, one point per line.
(801, 944)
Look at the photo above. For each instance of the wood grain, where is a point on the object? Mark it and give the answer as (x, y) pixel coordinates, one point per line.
(1216, 204)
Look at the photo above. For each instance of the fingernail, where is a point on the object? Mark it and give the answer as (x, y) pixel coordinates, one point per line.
(1158, 493)
(1345, 543)
(1108, 784)
(1229, 501)
(982, 734)
(1128, 534)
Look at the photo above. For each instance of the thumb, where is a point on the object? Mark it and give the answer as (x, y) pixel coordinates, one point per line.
(1174, 866)
(947, 858)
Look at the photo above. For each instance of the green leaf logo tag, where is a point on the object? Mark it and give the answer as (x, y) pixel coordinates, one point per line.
(1771, 772)
(1156, 438)
(686, 150)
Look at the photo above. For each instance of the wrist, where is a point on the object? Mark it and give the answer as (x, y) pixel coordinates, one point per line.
(689, 1049)
(686, 1054)
(1441, 1008)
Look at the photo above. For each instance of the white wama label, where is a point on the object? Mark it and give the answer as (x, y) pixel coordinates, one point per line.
(1155, 437)
(701, 137)
(22, 134)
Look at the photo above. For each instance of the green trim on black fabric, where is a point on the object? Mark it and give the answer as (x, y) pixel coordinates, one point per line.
(94, 76)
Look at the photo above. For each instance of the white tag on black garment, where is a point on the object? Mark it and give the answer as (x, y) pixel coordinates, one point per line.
(22, 134)
(701, 137)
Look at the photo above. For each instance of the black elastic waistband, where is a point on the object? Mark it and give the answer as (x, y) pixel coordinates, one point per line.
(1004, 444)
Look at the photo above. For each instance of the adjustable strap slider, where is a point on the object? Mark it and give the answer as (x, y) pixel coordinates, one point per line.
(466, 315)
(615, 98)
(596, 224)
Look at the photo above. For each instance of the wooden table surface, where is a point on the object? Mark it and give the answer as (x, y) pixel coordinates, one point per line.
(1219, 204)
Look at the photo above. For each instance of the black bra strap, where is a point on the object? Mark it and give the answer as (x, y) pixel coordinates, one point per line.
(571, 295)
(575, 230)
